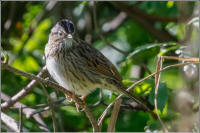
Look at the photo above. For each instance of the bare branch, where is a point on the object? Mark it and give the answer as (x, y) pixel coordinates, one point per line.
(46, 82)
(112, 25)
(23, 92)
(11, 123)
(51, 108)
(27, 111)
(100, 35)
(146, 22)
(114, 116)
(20, 119)
(195, 60)
(157, 81)
(101, 118)
(93, 121)
(11, 13)
(98, 102)
(56, 86)
(47, 108)
(115, 23)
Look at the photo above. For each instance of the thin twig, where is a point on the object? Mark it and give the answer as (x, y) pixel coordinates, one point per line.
(101, 118)
(98, 102)
(27, 111)
(142, 64)
(114, 116)
(51, 107)
(23, 92)
(46, 82)
(47, 108)
(56, 86)
(146, 22)
(11, 123)
(20, 119)
(196, 60)
(100, 35)
(111, 45)
(157, 81)
(93, 121)
(48, 6)
(55, 104)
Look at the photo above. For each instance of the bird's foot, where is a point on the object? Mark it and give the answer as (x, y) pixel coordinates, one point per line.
(83, 98)
(68, 98)
(83, 104)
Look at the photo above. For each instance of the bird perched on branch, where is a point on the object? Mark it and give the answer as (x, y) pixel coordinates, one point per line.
(77, 66)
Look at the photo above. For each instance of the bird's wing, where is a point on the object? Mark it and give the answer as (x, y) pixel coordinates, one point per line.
(98, 63)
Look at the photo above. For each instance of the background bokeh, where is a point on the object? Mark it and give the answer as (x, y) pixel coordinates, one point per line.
(141, 31)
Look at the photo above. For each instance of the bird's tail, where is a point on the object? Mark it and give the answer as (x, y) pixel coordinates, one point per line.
(128, 94)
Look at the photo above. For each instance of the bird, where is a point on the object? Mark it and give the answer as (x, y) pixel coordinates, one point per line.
(78, 66)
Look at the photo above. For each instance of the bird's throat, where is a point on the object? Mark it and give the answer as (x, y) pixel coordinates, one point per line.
(68, 43)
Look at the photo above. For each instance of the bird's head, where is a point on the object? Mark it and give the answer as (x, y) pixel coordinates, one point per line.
(62, 33)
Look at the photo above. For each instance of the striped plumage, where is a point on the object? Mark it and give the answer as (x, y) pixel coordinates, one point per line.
(77, 66)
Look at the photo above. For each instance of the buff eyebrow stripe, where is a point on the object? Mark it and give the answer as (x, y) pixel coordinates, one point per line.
(53, 33)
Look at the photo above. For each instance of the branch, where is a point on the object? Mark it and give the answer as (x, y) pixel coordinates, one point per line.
(93, 121)
(20, 119)
(47, 108)
(27, 111)
(112, 25)
(11, 123)
(11, 13)
(115, 23)
(145, 21)
(114, 115)
(23, 92)
(101, 118)
(100, 35)
(51, 108)
(195, 60)
(41, 80)
(157, 81)
(98, 102)
(56, 86)
(34, 23)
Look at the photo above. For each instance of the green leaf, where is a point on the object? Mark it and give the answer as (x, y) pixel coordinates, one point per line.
(162, 96)
(27, 64)
(39, 37)
(170, 4)
(144, 47)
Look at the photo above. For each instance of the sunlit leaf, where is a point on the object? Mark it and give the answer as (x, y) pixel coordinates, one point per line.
(162, 96)
(143, 47)
(170, 4)
(39, 37)
(27, 64)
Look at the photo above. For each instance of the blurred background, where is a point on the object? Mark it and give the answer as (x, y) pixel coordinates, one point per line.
(132, 35)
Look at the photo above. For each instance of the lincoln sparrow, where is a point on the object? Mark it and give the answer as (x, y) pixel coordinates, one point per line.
(77, 66)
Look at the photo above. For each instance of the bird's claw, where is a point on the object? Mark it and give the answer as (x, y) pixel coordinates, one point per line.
(70, 99)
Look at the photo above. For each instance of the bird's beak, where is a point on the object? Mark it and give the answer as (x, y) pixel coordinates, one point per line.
(69, 36)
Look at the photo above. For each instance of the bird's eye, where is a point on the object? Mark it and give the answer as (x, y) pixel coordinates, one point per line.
(60, 33)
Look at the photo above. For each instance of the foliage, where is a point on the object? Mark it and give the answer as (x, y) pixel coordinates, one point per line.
(25, 38)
